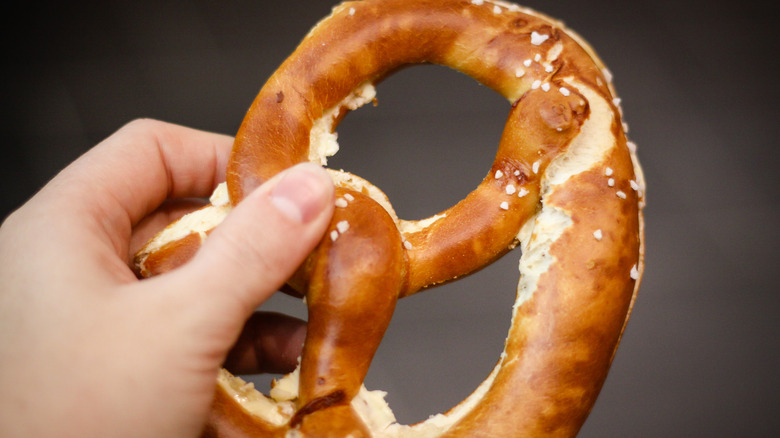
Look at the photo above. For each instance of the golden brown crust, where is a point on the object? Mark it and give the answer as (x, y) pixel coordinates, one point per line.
(227, 420)
(570, 327)
(348, 49)
(564, 185)
(168, 257)
(479, 229)
(357, 271)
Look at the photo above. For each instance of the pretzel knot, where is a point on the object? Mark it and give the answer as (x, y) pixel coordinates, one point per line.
(565, 186)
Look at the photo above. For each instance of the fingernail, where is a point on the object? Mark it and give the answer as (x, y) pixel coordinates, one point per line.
(302, 192)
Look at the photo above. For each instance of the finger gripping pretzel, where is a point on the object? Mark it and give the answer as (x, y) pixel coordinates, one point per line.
(565, 186)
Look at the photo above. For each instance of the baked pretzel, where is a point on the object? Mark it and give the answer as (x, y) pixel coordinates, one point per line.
(565, 186)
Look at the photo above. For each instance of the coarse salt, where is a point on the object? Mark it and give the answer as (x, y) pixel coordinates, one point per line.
(535, 166)
(598, 234)
(538, 38)
(504, 205)
(510, 189)
(342, 227)
(522, 192)
(607, 74)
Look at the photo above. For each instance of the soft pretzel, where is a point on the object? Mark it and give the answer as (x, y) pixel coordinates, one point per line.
(565, 186)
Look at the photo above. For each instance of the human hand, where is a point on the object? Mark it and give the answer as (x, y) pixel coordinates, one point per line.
(88, 350)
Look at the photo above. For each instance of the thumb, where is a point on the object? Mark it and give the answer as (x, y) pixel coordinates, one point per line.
(259, 244)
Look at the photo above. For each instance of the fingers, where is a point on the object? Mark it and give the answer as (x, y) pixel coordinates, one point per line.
(254, 250)
(94, 203)
(269, 233)
(129, 174)
(148, 161)
(269, 343)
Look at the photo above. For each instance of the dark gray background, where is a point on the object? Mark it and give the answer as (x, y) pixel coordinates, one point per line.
(698, 82)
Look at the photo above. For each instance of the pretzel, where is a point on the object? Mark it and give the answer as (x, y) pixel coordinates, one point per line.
(565, 186)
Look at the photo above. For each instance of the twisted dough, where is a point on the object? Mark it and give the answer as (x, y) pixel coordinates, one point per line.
(565, 186)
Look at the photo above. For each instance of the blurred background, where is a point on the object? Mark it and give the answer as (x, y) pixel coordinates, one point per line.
(701, 354)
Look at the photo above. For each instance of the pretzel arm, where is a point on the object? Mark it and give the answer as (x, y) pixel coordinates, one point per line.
(484, 226)
(354, 280)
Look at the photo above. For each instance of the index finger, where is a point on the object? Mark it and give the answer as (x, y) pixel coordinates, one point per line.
(108, 190)
(148, 161)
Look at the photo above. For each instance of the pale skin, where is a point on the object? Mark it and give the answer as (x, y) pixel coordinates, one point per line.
(86, 349)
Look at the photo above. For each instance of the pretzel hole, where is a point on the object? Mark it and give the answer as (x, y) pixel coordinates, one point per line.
(441, 344)
(429, 142)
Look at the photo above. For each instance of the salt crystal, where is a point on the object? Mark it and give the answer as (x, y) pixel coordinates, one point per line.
(522, 192)
(538, 38)
(607, 74)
